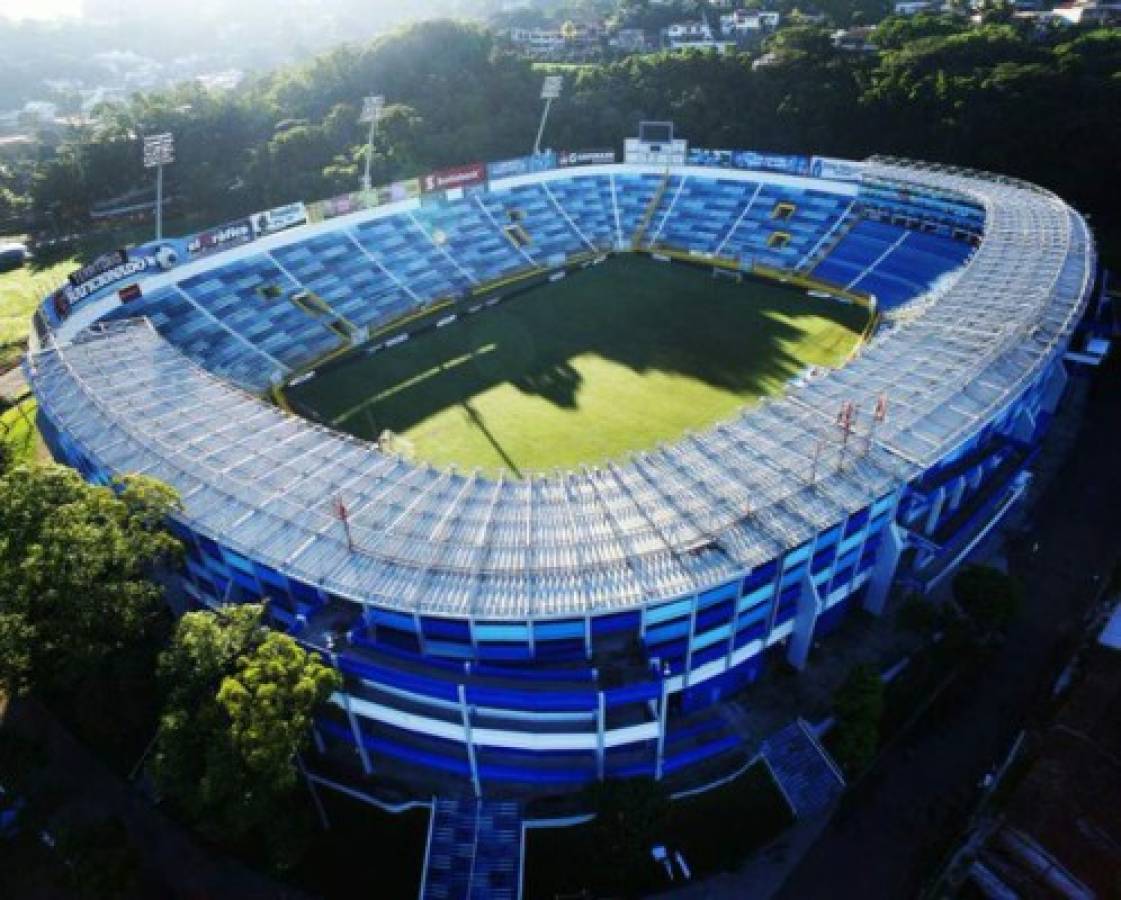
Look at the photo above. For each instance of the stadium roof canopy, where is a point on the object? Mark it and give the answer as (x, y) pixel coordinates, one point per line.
(664, 523)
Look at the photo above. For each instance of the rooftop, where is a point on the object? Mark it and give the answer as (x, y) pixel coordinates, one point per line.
(665, 523)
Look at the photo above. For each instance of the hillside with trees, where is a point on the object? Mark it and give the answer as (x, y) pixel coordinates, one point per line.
(1043, 107)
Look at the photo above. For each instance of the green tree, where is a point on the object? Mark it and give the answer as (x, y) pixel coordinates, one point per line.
(988, 596)
(239, 704)
(76, 562)
(895, 32)
(859, 705)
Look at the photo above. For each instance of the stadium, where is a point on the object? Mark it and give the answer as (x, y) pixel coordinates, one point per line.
(523, 600)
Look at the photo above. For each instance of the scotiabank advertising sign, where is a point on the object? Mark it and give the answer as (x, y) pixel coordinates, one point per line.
(459, 177)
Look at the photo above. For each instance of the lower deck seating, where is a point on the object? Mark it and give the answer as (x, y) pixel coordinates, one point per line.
(782, 226)
(255, 316)
(531, 214)
(202, 338)
(467, 234)
(407, 254)
(890, 262)
(634, 194)
(589, 201)
(332, 266)
(253, 297)
(696, 215)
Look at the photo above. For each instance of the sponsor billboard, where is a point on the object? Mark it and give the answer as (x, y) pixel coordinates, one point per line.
(221, 238)
(698, 156)
(279, 218)
(836, 169)
(771, 162)
(62, 302)
(787, 164)
(342, 205)
(103, 263)
(568, 158)
(523, 165)
(449, 179)
(399, 190)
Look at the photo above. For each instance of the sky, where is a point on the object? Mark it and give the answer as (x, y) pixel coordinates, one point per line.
(40, 9)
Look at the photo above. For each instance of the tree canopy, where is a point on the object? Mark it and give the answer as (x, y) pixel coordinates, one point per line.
(859, 704)
(988, 596)
(75, 561)
(1036, 105)
(238, 711)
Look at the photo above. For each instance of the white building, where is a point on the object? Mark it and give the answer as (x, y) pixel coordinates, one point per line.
(912, 7)
(745, 22)
(689, 31)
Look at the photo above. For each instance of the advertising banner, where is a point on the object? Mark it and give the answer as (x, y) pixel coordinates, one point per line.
(523, 165)
(787, 164)
(103, 263)
(459, 177)
(399, 190)
(342, 205)
(698, 156)
(568, 158)
(61, 304)
(232, 234)
(771, 162)
(836, 169)
(272, 220)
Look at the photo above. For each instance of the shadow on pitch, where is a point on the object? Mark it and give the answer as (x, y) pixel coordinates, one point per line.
(631, 313)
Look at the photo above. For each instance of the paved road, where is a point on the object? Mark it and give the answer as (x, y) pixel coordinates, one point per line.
(894, 827)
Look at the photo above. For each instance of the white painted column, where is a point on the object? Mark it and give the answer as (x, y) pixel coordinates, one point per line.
(601, 727)
(883, 572)
(663, 716)
(935, 510)
(355, 730)
(689, 641)
(801, 639)
(1025, 425)
(465, 715)
(1056, 387)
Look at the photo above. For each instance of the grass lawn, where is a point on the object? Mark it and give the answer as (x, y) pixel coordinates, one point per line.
(18, 433)
(20, 292)
(715, 831)
(615, 358)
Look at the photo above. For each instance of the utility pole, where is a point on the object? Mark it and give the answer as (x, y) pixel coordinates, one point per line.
(372, 109)
(550, 91)
(159, 151)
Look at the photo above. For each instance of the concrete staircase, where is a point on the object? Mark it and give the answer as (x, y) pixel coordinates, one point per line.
(810, 779)
(474, 851)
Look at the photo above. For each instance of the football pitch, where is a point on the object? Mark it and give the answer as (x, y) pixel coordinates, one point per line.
(613, 359)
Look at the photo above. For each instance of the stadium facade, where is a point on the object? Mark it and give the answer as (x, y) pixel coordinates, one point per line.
(537, 634)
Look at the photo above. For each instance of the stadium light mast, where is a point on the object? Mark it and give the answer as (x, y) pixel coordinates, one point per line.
(550, 91)
(159, 151)
(372, 109)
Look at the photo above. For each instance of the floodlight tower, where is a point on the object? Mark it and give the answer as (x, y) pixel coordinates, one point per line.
(550, 91)
(159, 151)
(372, 109)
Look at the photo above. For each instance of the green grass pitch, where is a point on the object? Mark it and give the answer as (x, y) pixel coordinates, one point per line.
(612, 359)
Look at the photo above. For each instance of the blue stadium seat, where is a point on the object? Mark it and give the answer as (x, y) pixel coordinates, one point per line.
(334, 267)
